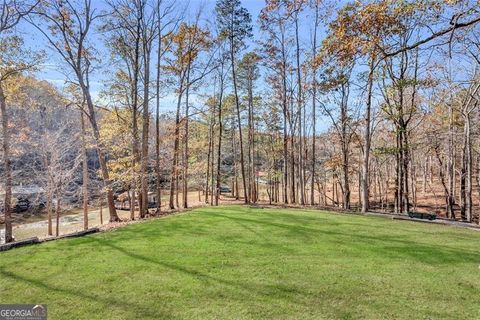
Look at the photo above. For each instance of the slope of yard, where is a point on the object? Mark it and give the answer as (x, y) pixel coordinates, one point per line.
(235, 262)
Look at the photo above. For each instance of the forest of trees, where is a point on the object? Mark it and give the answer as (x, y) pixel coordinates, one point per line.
(361, 105)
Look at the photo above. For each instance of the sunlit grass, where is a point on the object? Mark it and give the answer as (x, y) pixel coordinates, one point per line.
(241, 263)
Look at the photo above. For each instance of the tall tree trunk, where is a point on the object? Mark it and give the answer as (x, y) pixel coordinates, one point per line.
(186, 152)
(450, 166)
(251, 144)
(299, 106)
(145, 132)
(174, 174)
(398, 172)
(463, 173)
(367, 139)
(209, 156)
(84, 173)
(293, 198)
(220, 131)
(285, 117)
(212, 178)
(406, 160)
(235, 190)
(7, 201)
(183, 169)
(314, 106)
(239, 121)
(157, 115)
(467, 172)
(135, 108)
(177, 190)
(46, 163)
(250, 172)
(57, 214)
(346, 180)
(345, 141)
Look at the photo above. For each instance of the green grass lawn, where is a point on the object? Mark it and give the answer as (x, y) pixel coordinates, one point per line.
(241, 263)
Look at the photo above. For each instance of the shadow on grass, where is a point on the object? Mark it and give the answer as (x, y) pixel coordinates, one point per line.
(289, 293)
(264, 229)
(383, 245)
(106, 299)
(307, 230)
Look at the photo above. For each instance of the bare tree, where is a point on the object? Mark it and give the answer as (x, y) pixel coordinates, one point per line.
(67, 27)
(234, 22)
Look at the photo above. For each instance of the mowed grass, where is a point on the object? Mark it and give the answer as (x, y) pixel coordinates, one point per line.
(241, 263)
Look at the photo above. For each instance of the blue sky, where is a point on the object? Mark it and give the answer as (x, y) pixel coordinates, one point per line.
(53, 68)
(55, 71)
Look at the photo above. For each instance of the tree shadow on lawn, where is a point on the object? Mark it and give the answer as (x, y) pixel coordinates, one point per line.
(107, 300)
(382, 246)
(393, 247)
(289, 293)
(265, 242)
(322, 220)
(332, 218)
(294, 215)
(293, 294)
(344, 219)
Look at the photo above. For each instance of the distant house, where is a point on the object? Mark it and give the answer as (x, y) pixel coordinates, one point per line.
(23, 197)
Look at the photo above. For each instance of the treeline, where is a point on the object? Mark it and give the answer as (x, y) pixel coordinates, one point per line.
(311, 102)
